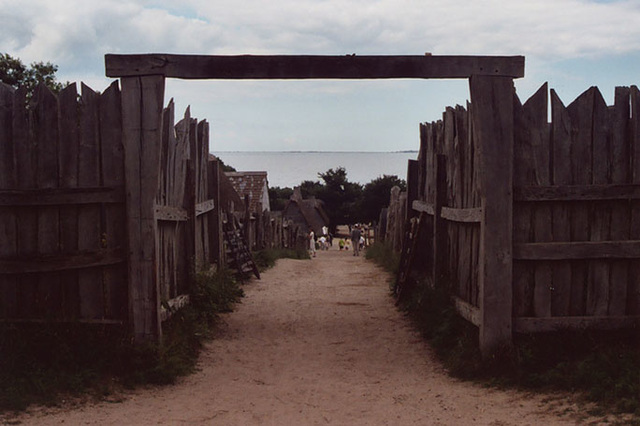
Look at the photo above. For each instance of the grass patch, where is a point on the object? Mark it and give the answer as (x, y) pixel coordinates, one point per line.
(383, 255)
(603, 366)
(41, 363)
(266, 258)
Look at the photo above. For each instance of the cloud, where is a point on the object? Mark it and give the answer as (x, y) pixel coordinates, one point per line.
(72, 32)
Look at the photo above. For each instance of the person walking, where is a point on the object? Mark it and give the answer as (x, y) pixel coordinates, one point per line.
(312, 244)
(355, 239)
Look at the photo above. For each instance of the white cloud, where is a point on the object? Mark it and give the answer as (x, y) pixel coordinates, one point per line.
(76, 34)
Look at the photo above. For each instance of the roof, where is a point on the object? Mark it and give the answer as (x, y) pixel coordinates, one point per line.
(312, 209)
(230, 200)
(252, 184)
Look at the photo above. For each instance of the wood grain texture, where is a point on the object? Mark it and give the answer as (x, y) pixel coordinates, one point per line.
(492, 99)
(308, 66)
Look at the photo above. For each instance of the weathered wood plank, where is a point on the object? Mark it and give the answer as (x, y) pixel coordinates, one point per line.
(633, 289)
(465, 230)
(45, 138)
(89, 216)
(523, 174)
(598, 285)
(7, 157)
(610, 192)
(68, 171)
(308, 66)
(171, 214)
(62, 196)
(60, 261)
(581, 112)
(423, 207)
(27, 218)
(204, 207)
(142, 100)
(492, 113)
(440, 246)
(536, 112)
(173, 305)
(215, 219)
(539, 325)
(114, 233)
(470, 215)
(618, 169)
(8, 221)
(579, 250)
(467, 311)
(561, 214)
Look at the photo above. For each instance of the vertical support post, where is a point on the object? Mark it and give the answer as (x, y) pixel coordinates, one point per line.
(142, 99)
(247, 222)
(413, 186)
(440, 250)
(492, 115)
(215, 216)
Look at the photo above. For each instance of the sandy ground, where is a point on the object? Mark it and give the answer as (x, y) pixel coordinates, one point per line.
(316, 342)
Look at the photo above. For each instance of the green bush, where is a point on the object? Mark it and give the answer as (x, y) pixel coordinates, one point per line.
(266, 258)
(604, 366)
(383, 255)
(40, 362)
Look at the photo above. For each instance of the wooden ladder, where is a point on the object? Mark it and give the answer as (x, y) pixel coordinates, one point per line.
(409, 247)
(238, 254)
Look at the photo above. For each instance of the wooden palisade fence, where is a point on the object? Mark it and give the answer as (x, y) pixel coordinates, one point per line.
(107, 207)
(105, 204)
(63, 246)
(535, 227)
(89, 214)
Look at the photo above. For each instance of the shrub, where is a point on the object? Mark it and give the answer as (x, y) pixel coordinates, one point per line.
(266, 258)
(40, 362)
(384, 255)
(603, 366)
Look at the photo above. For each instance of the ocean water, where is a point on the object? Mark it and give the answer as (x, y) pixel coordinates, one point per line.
(289, 169)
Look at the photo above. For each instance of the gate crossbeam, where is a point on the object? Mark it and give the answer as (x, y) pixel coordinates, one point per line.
(296, 67)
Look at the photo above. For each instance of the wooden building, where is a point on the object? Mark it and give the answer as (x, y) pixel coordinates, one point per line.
(306, 213)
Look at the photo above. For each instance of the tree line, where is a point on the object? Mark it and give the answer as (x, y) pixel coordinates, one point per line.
(344, 202)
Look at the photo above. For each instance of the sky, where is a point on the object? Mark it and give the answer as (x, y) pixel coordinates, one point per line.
(571, 44)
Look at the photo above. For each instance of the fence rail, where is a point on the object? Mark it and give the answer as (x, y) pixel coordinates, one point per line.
(555, 207)
(107, 206)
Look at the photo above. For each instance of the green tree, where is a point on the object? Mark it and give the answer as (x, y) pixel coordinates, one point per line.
(340, 197)
(16, 74)
(375, 196)
(278, 197)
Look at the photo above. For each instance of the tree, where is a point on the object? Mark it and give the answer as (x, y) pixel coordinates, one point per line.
(14, 73)
(375, 196)
(339, 196)
(278, 197)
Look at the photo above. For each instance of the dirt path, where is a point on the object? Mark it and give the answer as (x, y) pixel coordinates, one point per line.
(315, 342)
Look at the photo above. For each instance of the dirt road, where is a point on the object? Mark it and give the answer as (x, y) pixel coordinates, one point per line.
(316, 342)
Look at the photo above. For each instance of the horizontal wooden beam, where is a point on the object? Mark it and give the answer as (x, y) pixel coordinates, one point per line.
(538, 325)
(577, 193)
(61, 196)
(61, 262)
(423, 207)
(170, 213)
(100, 321)
(173, 305)
(577, 250)
(204, 207)
(297, 67)
(467, 311)
(471, 215)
